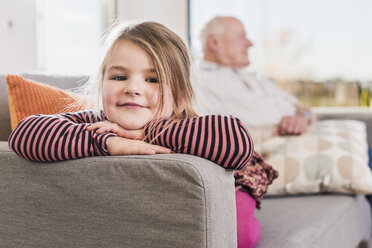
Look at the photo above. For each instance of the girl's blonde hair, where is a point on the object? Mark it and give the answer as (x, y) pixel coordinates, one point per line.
(169, 55)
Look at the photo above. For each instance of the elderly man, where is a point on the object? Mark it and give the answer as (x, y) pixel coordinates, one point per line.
(227, 89)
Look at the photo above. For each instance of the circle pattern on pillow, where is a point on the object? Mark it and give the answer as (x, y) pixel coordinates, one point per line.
(332, 156)
(292, 169)
(345, 146)
(317, 166)
(317, 144)
(349, 168)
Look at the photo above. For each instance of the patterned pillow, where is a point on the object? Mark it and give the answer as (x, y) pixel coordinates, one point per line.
(27, 98)
(332, 156)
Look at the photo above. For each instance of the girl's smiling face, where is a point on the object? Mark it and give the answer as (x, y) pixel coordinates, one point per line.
(131, 94)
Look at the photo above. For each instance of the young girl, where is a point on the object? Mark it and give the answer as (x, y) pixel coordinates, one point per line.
(143, 86)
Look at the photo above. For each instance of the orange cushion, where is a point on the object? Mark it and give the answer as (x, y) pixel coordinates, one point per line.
(28, 98)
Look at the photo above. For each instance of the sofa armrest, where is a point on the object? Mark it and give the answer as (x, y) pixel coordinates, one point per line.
(167, 200)
(353, 113)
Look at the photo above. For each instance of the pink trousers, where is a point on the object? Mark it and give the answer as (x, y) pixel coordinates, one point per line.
(247, 225)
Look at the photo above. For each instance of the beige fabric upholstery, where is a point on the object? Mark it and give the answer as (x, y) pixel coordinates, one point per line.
(169, 200)
(314, 221)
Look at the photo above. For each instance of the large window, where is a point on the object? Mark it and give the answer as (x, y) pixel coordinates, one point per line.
(307, 40)
(69, 35)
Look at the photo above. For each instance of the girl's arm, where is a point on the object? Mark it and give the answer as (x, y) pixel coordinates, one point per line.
(58, 137)
(221, 139)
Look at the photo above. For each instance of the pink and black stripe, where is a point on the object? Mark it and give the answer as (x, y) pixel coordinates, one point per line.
(58, 137)
(221, 139)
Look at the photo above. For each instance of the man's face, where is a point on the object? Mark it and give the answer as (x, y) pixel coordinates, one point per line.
(233, 45)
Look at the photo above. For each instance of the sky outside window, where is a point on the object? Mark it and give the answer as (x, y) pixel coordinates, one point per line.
(69, 35)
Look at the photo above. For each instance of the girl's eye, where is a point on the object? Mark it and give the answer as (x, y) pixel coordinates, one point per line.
(119, 78)
(152, 80)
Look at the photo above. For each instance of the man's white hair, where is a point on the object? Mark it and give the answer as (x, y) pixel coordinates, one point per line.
(214, 26)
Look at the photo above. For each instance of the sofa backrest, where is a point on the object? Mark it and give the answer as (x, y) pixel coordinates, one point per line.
(63, 82)
(4, 110)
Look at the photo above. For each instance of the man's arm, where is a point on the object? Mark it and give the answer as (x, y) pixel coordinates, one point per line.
(306, 112)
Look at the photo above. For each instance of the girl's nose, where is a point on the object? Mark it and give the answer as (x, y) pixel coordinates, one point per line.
(133, 88)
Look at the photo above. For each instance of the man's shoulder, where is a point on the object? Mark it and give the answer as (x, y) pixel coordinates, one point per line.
(206, 66)
(257, 76)
(208, 71)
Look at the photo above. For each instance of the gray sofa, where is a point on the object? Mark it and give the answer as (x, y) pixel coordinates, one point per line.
(169, 200)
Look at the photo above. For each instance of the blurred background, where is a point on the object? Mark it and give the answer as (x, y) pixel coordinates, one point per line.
(318, 50)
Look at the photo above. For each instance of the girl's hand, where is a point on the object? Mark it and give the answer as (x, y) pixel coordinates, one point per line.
(123, 146)
(106, 126)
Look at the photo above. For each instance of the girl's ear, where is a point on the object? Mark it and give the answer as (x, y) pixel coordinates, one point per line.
(182, 105)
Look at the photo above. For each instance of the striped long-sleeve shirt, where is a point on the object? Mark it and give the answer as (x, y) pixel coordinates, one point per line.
(221, 139)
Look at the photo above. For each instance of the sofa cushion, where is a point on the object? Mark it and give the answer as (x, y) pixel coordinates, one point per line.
(28, 98)
(327, 220)
(60, 81)
(330, 157)
(353, 113)
(63, 82)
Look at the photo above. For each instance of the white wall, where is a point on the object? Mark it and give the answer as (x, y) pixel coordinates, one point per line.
(17, 36)
(171, 13)
(18, 42)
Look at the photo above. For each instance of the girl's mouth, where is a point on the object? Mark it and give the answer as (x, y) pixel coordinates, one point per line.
(131, 105)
